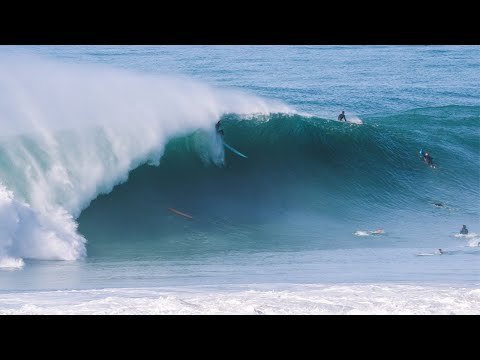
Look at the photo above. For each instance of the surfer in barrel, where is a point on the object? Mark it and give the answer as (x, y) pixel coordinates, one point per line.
(217, 127)
(220, 131)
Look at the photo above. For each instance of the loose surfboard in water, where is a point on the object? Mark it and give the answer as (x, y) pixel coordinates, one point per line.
(234, 150)
(175, 211)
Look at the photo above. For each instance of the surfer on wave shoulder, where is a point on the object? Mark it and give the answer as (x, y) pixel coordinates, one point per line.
(342, 117)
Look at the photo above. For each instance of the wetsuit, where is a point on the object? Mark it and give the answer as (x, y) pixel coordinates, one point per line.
(428, 159)
(217, 127)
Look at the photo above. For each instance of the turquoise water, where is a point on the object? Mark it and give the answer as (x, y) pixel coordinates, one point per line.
(77, 120)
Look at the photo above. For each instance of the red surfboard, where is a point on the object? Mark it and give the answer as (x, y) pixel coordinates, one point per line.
(175, 211)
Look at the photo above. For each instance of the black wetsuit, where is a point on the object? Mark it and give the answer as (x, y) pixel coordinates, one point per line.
(217, 127)
(342, 117)
(428, 159)
(464, 231)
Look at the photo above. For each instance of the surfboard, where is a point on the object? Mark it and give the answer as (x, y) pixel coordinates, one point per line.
(352, 120)
(175, 211)
(234, 150)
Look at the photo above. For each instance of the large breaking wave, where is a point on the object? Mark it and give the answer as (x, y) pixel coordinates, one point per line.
(71, 132)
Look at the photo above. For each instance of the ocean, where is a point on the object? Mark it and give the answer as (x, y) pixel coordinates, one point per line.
(99, 143)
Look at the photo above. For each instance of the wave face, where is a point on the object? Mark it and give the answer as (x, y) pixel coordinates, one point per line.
(72, 132)
(306, 179)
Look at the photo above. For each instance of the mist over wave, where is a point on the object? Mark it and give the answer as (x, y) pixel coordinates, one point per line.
(70, 132)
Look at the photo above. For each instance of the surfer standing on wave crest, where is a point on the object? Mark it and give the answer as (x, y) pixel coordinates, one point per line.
(217, 127)
(342, 117)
